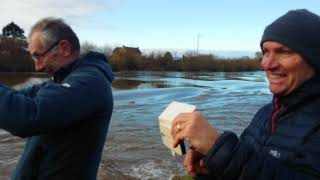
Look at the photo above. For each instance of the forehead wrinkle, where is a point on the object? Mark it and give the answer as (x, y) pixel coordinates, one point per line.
(35, 44)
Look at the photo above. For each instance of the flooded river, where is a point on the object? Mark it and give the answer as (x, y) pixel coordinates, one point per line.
(134, 149)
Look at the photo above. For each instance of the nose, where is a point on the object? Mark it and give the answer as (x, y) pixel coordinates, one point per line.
(269, 62)
(39, 65)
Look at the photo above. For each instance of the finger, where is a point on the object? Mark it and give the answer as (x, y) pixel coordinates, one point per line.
(176, 128)
(180, 119)
(199, 170)
(188, 161)
(191, 162)
(177, 138)
(184, 119)
(202, 164)
(202, 167)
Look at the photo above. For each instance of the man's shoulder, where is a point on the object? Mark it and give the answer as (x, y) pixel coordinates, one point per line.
(94, 55)
(94, 64)
(264, 112)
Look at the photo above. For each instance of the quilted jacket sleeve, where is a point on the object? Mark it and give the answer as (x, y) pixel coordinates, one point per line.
(32, 91)
(55, 106)
(230, 158)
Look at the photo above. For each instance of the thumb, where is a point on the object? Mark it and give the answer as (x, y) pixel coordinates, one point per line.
(202, 164)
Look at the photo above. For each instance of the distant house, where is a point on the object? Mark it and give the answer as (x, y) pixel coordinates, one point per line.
(128, 52)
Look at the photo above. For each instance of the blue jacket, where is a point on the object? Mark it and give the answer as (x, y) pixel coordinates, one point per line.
(290, 151)
(66, 121)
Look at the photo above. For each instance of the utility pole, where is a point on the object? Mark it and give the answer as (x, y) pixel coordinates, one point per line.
(198, 43)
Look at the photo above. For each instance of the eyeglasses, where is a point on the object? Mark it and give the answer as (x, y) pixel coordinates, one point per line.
(37, 56)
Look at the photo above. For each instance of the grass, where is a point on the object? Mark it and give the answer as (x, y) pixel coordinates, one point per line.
(187, 177)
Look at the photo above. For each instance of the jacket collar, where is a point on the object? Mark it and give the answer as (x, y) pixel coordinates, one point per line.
(63, 71)
(309, 89)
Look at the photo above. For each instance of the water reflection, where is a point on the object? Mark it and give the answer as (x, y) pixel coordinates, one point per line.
(126, 84)
(13, 79)
(121, 84)
(150, 79)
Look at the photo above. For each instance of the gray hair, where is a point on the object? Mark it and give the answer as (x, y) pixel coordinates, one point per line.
(54, 30)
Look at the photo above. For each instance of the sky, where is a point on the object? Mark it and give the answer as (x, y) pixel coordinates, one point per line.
(209, 25)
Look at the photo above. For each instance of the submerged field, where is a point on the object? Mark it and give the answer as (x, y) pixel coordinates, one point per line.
(134, 149)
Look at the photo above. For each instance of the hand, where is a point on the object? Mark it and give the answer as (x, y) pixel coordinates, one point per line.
(195, 129)
(194, 163)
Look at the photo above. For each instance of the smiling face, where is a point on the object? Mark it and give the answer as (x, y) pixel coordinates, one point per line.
(286, 70)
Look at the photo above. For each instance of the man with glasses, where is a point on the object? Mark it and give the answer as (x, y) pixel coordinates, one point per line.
(66, 119)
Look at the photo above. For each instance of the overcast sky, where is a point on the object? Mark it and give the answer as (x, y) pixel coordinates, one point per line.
(159, 24)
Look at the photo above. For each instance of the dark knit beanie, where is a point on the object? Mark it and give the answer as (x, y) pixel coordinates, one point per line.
(300, 31)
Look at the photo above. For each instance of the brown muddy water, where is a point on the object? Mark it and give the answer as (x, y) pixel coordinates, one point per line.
(134, 149)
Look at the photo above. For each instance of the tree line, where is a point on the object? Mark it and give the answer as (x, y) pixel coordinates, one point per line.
(165, 62)
(14, 57)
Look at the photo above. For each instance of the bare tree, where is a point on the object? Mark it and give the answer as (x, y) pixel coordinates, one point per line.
(87, 46)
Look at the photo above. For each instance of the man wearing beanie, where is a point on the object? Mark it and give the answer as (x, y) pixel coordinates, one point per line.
(283, 139)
